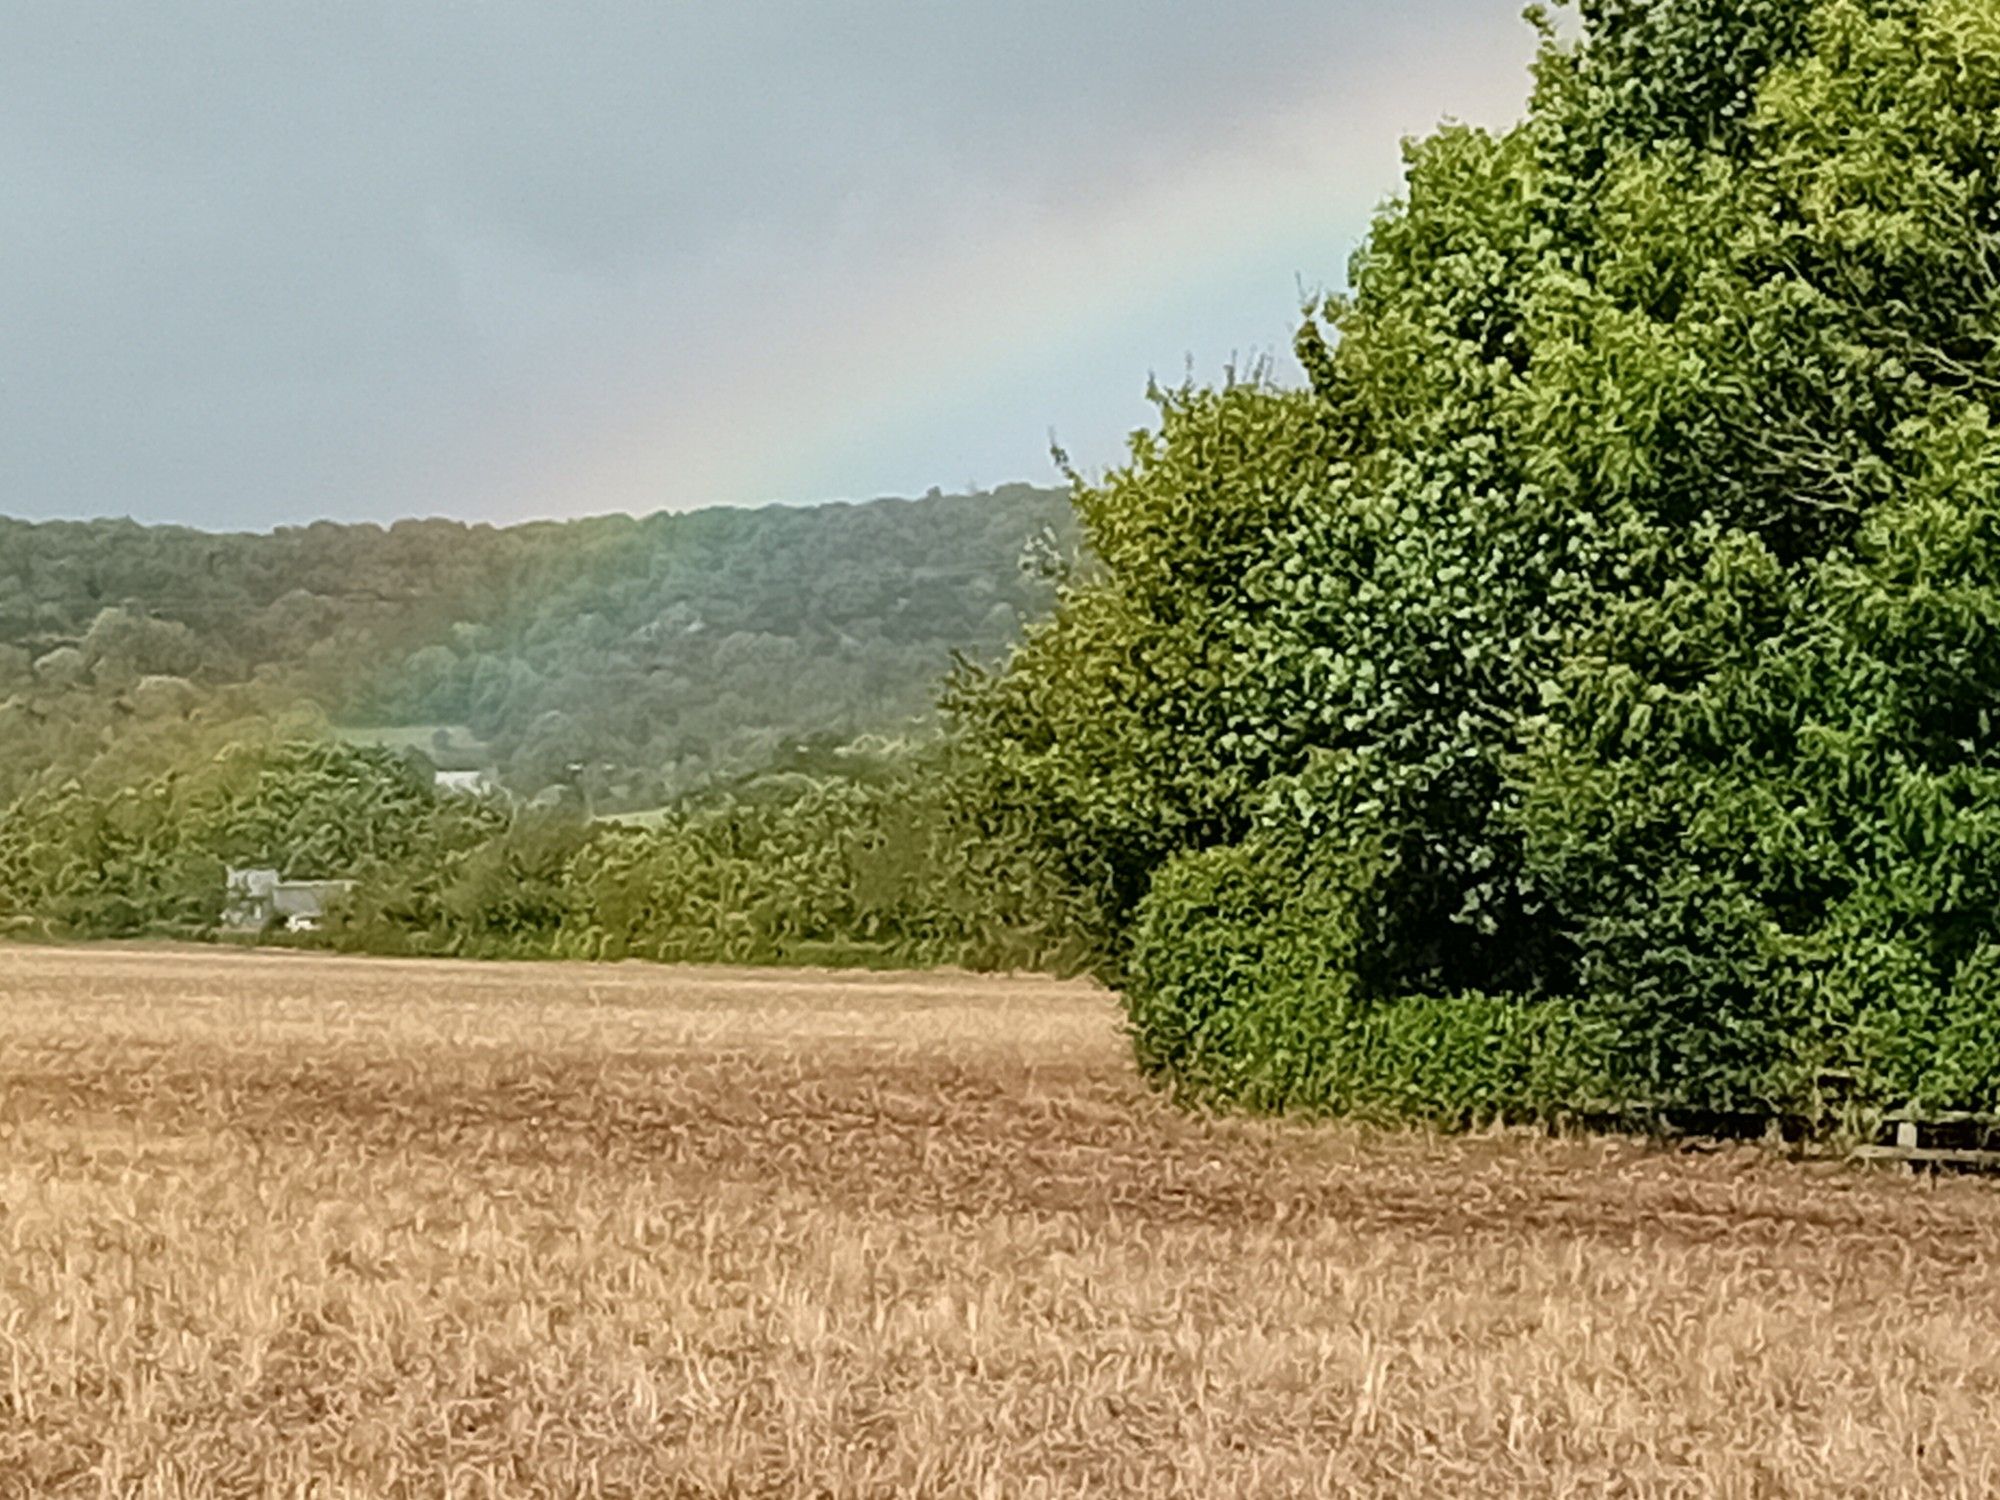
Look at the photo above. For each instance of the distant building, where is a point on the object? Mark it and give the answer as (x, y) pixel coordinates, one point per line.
(249, 897)
(464, 783)
(255, 898)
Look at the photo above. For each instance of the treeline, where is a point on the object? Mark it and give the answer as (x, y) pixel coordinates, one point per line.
(869, 866)
(631, 660)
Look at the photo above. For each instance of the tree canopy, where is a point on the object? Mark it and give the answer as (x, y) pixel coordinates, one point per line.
(1599, 654)
(640, 658)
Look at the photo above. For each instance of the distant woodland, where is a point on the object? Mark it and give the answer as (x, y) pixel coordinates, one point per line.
(621, 662)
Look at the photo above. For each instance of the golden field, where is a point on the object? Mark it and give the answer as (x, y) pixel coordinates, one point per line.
(278, 1225)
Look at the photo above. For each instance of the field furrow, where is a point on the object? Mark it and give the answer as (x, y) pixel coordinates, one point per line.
(289, 1225)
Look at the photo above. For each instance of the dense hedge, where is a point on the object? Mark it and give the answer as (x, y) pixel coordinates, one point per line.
(819, 872)
(1244, 988)
(128, 857)
(1584, 693)
(789, 868)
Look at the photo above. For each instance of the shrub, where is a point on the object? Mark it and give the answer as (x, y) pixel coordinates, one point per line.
(1244, 989)
(149, 856)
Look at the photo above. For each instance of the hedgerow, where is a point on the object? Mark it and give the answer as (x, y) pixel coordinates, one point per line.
(117, 858)
(794, 869)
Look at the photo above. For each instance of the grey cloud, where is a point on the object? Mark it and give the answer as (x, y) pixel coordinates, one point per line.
(272, 261)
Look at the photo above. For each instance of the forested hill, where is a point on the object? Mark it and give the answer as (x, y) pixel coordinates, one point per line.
(636, 657)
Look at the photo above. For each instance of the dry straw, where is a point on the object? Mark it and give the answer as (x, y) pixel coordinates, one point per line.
(281, 1226)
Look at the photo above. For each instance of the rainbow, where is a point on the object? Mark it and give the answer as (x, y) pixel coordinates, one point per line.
(869, 365)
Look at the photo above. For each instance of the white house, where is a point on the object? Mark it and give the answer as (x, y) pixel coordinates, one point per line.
(255, 898)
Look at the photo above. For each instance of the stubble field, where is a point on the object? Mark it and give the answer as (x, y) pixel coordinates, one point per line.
(286, 1225)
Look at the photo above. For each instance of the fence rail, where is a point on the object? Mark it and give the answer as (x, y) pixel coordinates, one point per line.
(1948, 1138)
(1957, 1139)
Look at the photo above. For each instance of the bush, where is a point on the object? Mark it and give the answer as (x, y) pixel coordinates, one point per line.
(149, 856)
(834, 872)
(1244, 990)
(504, 892)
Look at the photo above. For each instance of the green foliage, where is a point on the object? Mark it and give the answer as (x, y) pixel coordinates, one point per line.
(1763, 795)
(836, 854)
(733, 881)
(627, 661)
(1244, 992)
(507, 892)
(1686, 70)
(1129, 724)
(150, 855)
(827, 871)
(1625, 587)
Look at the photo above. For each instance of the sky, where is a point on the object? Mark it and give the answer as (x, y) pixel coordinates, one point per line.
(509, 259)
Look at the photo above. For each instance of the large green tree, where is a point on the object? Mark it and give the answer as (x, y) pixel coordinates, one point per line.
(1604, 638)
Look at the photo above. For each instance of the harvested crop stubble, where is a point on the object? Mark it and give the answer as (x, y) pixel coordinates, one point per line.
(278, 1225)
